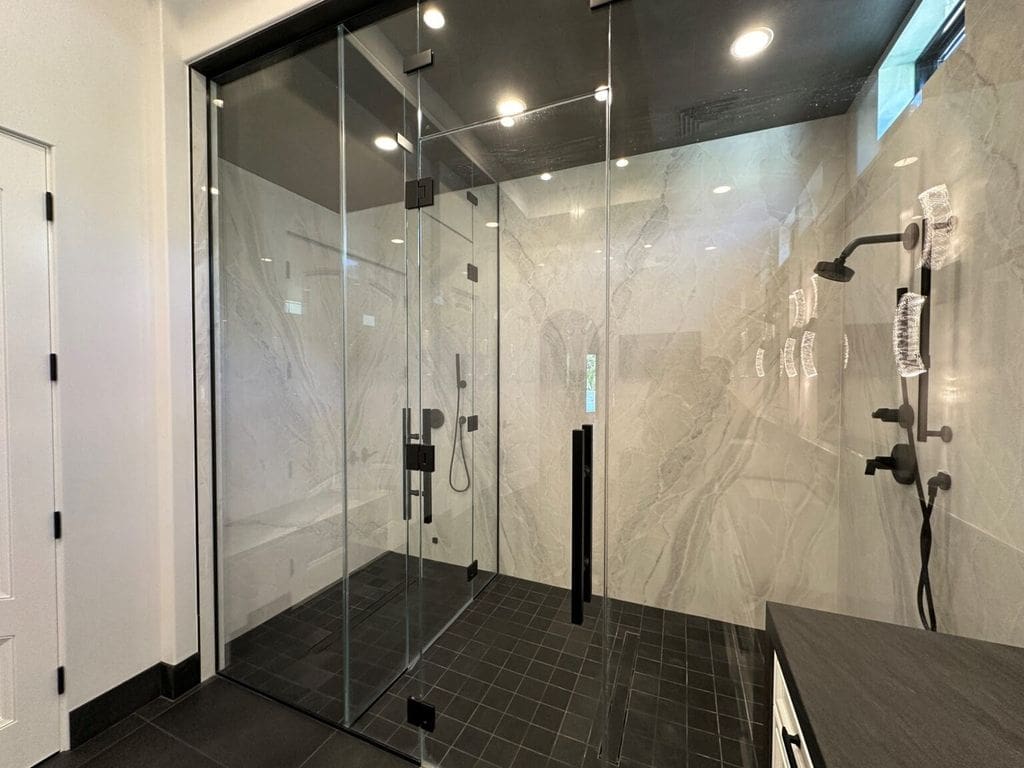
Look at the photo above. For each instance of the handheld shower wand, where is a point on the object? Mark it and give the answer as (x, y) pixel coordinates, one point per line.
(458, 440)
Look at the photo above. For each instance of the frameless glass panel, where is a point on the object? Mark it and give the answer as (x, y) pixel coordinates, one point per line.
(505, 189)
(278, 365)
(379, 124)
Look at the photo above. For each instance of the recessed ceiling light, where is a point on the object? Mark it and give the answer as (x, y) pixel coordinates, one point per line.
(598, 251)
(905, 162)
(648, 245)
(433, 18)
(601, 93)
(508, 108)
(264, 258)
(752, 42)
(711, 248)
(491, 225)
(546, 177)
(511, 106)
(387, 143)
(622, 162)
(397, 240)
(724, 189)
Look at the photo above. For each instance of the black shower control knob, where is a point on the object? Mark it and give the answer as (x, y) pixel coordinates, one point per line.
(901, 462)
(904, 416)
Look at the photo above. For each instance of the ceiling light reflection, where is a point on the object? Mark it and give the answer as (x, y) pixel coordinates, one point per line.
(752, 42)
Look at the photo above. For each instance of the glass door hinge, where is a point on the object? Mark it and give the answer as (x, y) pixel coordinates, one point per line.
(419, 193)
(420, 714)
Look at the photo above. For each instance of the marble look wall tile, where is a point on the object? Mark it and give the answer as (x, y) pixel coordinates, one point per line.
(311, 398)
(964, 134)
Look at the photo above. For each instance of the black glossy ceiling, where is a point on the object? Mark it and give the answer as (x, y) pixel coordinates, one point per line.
(674, 83)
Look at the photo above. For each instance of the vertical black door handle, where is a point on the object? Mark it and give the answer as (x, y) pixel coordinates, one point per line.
(406, 472)
(427, 481)
(577, 542)
(790, 740)
(588, 511)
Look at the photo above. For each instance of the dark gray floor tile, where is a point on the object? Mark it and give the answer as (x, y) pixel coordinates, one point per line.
(243, 730)
(149, 747)
(82, 754)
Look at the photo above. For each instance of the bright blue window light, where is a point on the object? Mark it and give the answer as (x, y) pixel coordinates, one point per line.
(899, 81)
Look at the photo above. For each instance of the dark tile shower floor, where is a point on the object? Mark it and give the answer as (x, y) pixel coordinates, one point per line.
(298, 655)
(515, 684)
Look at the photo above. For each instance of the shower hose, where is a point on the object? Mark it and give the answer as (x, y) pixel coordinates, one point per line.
(458, 442)
(925, 603)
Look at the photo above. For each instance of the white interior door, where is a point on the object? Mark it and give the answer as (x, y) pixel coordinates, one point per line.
(29, 706)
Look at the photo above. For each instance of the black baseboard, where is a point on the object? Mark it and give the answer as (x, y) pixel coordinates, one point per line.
(168, 680)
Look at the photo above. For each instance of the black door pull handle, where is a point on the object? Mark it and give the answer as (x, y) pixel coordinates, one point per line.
(790, 740)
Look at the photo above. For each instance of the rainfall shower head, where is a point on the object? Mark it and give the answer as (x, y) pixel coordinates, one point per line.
(838, 272)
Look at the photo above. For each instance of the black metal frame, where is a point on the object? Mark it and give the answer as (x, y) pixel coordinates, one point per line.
(946, 40)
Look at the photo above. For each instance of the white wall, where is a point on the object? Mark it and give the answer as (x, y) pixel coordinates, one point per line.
(105, 83)
(84, 77)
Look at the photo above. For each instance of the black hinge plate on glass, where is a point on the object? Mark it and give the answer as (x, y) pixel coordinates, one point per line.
(598, 3)
(49, 206)
(419, 458)
(472, 273)
(53, 366)
(58, 526)
(420, 714)
(472, 198)
(60, 681)
(419, 193)
(417, 61)
(472, 423)
(472, 570)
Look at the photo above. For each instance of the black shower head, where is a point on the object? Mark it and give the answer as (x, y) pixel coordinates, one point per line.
(836, 271)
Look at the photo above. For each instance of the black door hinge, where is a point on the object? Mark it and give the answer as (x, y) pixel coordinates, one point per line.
(417, 61)
(473, 199)
(420, 714)
(53, 366)
(60, 681)
(419, 457)
(419, 193)
(472, 423)
(58, 526)
(472, 273)
(49, 206)
(472, 570)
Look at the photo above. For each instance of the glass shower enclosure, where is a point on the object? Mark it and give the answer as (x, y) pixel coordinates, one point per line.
(355, 339)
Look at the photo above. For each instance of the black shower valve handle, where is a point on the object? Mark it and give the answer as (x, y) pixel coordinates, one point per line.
(904, 415)
(879, 462)
(901, 462)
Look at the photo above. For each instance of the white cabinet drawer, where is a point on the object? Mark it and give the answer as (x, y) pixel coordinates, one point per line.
(785, 726)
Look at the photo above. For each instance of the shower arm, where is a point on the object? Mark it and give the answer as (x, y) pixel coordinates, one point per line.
(908, 237)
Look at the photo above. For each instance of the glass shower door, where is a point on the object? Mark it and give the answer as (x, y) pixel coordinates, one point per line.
(511, 185)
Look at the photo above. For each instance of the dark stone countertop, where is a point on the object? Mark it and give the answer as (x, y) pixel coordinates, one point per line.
(875, 695)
